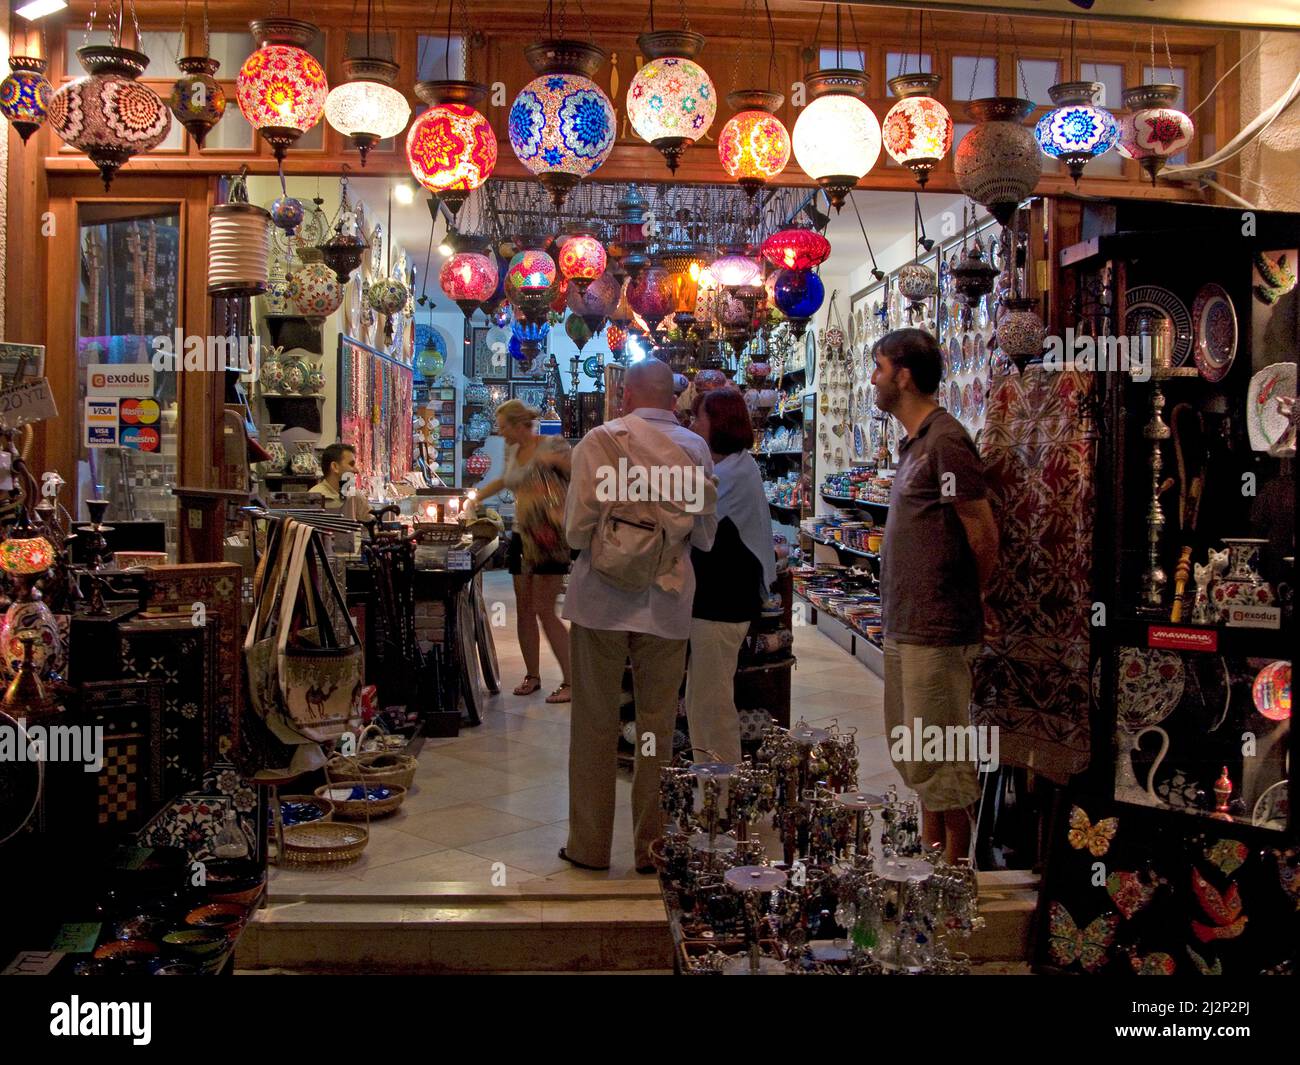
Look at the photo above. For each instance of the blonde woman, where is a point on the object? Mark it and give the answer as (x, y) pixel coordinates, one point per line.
(537, 472)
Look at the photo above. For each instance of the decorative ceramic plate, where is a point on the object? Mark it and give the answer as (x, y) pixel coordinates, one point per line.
(591, 366)
(1265, 424)
(1149, 686)
(1153, 298)
(858, 440)
(954, 399)
(967, 402)
(21, 780)
(1215, 323)
(967, 351)
(977, 396)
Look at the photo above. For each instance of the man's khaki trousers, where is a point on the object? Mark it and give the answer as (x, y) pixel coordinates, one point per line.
(598, 659)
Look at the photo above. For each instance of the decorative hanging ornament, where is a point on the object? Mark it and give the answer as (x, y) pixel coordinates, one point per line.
(197, 98)
(577, 330)
(652, 295)
(836, 137)
(798, 295)
(582, 260)
(597, 300)
(972, 277)
(388, 296)
(530, 270)
(108, 114)
(343, 251)
(366, 108)
(562, 126)
(531, 337)
(998, 162)
(469, 277)
(916, 283)
(312, 291)
(797, 248)
(754, 145)
(670, 100)
(25, 94)
(918, 129)
(616, 337)
(281, 87)
(1154, 129)
(287, 213)
(1076, 130)
(1020, 331)
(451, 148)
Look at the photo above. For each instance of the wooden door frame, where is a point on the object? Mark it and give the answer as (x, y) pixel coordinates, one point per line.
(200, 393)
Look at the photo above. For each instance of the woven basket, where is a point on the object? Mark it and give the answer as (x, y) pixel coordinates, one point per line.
(324, 805)
(361, 809)
(324, 841)
(398, 769)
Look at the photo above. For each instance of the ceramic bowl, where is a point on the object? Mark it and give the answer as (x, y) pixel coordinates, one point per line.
(196, 944)
(217, 916)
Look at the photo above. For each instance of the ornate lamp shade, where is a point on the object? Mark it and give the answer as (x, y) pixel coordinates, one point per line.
(916, 282)
(837, 137)
(531, 337)
(108, 114)
(577, 330)
(562, 126)
(530, 271)
(469, 278)
(652, 294)
(671, 100)
(754, 145)
(1154, 129)
(366, 108)
(736, 271)
(597, 300)
(197, 98)
(388, 296)
(796, 249)
(25, 94)
(798, 295)
(281, 87)
(559, 293)
(342, 253)
(998, 162)
(918, 129)
(451, 148)
(1020, 331)
(26, 557)
(972, 277)
(1076, 130)
(313, 291)
(582, 260)
(616, 337)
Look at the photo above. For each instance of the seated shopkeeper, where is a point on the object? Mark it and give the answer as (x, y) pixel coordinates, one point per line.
(338, 464)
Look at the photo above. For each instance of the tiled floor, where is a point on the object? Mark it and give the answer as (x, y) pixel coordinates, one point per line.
(491, 805)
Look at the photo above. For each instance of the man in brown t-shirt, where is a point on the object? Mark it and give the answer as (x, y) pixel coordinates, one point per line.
(940, 546)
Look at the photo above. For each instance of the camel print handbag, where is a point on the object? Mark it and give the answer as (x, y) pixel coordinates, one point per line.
(320, 674)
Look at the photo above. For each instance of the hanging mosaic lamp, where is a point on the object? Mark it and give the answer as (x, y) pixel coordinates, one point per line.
(754, 145)
(1154, 128)
(582, 260)
(1076, 130)
(917, 131)
(281, 87)
(197, 98)
(616, 337)
(797, 248)
(25, 94)
(468, 278)
(916, 283)
(531, 336)
(108, 114)
(312, 291)
(836, 137)
(366, 108)
(597, 301)
(531, 283)
(972, 277)
(1020, 330)
(388, 296)
(998, 163)
(562, 126)
(671, 100)
(577, 330)
(450, 147)
(652, 295)
(798, 295)
(736, 270)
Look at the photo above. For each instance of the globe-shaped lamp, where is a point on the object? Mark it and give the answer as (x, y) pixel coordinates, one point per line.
(281, 87)
(917, 130)
(652, 294)
(450, 147)
(998, 162)
(796, 248)
(366, 108)
(1154, 129)
(1076, 130)
(562, 126)
(582, 260)
(25, 94)
(468, 278)
(671, 100)
(798, 295)
(197, 99)
(754, 145)
(836, 137)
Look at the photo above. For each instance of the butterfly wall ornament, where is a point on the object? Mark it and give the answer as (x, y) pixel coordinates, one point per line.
(1083, 834)
(1158, 963)
(1202, 966)
(1088, 946)
(1224, 909)
(1129, 893)
(1228, 855)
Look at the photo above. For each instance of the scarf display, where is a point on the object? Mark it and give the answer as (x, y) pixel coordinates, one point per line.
(1031, 678)
(741, 498)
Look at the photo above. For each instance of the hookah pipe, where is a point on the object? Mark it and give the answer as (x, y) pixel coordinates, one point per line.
(1189, 504)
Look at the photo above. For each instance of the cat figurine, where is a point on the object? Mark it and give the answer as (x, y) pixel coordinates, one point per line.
(1201, 604)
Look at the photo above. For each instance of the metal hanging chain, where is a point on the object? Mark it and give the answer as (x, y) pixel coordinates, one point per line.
(180, 43)
(465, 41)
(1168, 58)
(816, 47)
(771, 51)
(686, 22)
(1020, 66)
(907, 33)
(446, 55)
(979, 56)
(746, 34)
(853, 27)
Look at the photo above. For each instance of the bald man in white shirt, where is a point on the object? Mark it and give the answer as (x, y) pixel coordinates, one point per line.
(611, 624)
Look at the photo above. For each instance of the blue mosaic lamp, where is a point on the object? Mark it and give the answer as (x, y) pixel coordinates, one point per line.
(1076, 131)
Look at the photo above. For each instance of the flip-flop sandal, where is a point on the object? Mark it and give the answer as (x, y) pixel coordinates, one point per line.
(530, 685)
(582, 865)
(567, 689)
